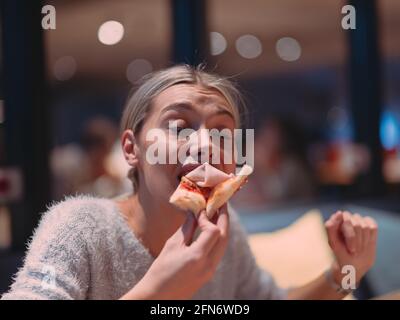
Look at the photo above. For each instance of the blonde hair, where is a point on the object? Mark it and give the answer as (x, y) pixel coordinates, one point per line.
(140, 99)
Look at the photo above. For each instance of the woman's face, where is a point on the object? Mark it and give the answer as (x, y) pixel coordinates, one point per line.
(179, 107)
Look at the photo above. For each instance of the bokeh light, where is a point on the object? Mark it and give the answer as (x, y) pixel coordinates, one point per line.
(110, 32)
(64, 68)
(288, 49)
(218, 43)
(249, 46)
(137, 69)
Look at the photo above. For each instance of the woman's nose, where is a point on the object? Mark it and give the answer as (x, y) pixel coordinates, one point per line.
(201, 148)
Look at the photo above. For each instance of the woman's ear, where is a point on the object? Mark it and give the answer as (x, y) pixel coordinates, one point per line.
(130, 148)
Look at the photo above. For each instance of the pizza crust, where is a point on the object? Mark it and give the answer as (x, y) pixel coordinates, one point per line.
(223, 191)
(188, 200)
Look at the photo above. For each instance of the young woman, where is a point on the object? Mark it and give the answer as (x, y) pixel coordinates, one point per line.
(142, 247)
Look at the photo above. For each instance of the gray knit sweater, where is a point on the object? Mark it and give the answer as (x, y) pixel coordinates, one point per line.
(84, 249)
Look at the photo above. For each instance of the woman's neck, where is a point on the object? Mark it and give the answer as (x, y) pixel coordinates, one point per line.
(151, 222)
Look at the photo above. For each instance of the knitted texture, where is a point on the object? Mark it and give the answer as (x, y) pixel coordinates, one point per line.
(84, 249)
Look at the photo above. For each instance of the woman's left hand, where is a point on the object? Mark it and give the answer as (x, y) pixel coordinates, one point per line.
(353, 240)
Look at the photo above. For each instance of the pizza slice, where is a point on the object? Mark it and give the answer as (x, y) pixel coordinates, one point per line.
(207, 188)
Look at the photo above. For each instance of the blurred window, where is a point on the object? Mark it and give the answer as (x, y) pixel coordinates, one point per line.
(98, 50)
(290, 57)
(390, 123)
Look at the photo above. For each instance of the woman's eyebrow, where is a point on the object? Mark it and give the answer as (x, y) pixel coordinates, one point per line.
(223, 111)
(178, 105)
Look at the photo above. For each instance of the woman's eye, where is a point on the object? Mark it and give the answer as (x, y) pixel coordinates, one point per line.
(221, 134)
(177, 127)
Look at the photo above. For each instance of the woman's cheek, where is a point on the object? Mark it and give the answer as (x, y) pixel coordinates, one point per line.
(155, 147)
(172, 146)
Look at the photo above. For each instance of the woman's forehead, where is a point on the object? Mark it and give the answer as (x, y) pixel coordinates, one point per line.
(190, 94)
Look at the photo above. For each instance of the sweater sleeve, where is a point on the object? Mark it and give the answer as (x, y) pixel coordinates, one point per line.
(252, 282)
(56, 265)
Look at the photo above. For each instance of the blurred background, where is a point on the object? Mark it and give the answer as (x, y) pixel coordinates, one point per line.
(324, 102)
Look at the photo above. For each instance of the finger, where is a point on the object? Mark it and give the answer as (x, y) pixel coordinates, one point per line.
(373, 228)
(218, 250)
(215, 217)
(209, 234)
(355, 220)
(349, 233)
(223, 221)
(332, 226)
(185, 233)
(337, 216)
(364, 231)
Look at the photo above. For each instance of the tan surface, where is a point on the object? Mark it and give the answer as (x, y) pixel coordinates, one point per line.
(294, 255)
(390, 296)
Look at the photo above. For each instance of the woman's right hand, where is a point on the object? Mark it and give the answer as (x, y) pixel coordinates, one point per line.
(183, 265)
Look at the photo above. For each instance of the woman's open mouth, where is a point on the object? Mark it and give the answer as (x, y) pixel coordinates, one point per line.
(185, 169)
